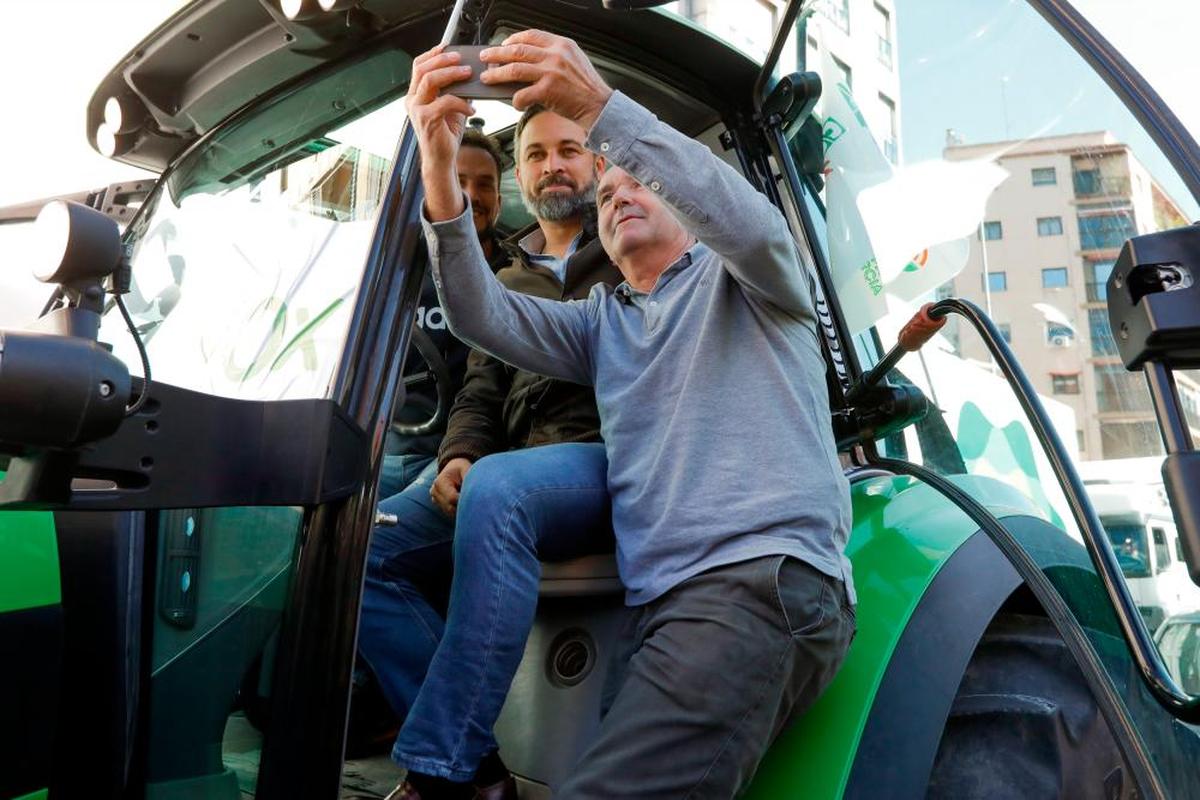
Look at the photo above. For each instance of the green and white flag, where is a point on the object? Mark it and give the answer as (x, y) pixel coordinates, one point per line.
(895, 233)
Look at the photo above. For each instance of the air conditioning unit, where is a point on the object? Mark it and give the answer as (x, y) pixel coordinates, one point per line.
(1060, 341)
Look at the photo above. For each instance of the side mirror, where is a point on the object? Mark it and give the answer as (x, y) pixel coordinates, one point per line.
(1154, 312)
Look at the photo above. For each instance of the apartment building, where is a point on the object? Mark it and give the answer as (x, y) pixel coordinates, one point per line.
(1051, 235)
(858, 35)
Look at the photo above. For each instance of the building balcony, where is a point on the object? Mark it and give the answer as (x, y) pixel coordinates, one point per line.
(1090, 187)
(1126, 399)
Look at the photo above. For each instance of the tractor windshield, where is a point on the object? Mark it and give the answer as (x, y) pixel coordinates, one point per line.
(1129, 543)
(255, 241)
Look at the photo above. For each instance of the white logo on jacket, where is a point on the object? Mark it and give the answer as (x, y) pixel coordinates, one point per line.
(432, 318)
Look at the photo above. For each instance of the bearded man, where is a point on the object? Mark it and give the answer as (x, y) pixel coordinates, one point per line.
(444, 654)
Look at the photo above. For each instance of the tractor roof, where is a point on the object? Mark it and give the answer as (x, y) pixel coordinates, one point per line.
(214, 57)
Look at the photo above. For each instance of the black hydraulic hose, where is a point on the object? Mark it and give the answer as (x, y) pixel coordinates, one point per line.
(1145, 653)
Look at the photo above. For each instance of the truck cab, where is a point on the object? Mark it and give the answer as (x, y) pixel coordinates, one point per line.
(1139, 524)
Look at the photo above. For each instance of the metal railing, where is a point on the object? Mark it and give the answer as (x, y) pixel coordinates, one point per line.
(1090, 185)
(1122, 395)
(1097, 291)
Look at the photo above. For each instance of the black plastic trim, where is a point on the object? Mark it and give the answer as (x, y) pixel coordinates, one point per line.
(902, 734)
(31, 655)
(208, 450)
(302, 752)
(100, 564)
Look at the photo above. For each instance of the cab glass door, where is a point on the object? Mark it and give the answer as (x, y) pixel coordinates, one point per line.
(246, 261)
(965, 150)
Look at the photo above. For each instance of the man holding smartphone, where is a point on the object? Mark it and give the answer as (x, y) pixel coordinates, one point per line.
(709, 375)
(528, 442)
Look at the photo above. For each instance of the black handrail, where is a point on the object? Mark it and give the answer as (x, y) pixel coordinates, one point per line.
(1145, 653)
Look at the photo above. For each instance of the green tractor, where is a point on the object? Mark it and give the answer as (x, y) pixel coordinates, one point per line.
(182, 551)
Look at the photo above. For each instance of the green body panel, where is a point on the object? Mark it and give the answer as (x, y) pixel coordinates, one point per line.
(28, 560)
(903, 532)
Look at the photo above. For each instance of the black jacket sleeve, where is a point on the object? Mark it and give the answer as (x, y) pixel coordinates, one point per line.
(476, 426)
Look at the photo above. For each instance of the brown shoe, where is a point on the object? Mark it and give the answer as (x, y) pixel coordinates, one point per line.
(405, 791)
(502, 790)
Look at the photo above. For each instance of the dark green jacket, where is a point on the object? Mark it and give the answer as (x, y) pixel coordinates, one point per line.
(501, 408)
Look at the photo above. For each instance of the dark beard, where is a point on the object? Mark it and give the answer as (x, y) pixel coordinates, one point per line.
(557, 207)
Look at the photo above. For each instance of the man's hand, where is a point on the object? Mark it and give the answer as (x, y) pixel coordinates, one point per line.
(562, 77)
(448, 485)
(439, 120)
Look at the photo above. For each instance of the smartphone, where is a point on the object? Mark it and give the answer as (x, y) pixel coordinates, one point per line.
(473, 88)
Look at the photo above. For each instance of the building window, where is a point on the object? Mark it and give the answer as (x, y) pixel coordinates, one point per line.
(1103, 343)
(753, 27)
(1093, 183)
(1079, 439)
(883, 35)
(839, 12)
(1087, 182)
(1129, 440)
(1097, 280)
(1065, 384)
(1054, 278)
(1049, 226)
(1044, 176)
(844, 75)
(1106, 231)
(993, 230)
(887, 113)
(944, 291)
(1118, 389)
(1005, 331)
(997, 281)
(1059, 335)
(802, 54)
(1190, 403)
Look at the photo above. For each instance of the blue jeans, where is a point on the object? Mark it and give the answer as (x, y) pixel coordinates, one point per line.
(447, 676)
(399, 471)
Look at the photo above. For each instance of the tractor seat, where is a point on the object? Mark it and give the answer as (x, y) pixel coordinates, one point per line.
(581, 577)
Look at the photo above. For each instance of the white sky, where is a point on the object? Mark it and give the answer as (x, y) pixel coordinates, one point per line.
(1157, 38)
(53, 55)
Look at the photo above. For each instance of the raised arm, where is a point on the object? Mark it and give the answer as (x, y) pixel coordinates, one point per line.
(542, 336)
(548, 337)
(712, 200)
(715, 203)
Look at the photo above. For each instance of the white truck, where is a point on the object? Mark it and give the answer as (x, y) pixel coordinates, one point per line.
(1139, 524)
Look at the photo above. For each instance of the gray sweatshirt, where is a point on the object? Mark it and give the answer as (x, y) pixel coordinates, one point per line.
(711, 388)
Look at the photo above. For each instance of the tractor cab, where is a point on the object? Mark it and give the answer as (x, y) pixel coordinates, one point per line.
(191, 432)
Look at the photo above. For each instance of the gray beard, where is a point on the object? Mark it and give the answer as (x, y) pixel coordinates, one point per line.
(556, 207)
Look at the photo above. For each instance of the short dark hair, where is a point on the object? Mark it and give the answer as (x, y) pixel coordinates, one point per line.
(529, 114)
(474, 137)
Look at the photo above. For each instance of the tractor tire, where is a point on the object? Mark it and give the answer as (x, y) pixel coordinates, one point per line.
(1024, 724)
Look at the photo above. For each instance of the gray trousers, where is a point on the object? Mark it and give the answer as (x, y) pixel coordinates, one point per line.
(707, 677)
